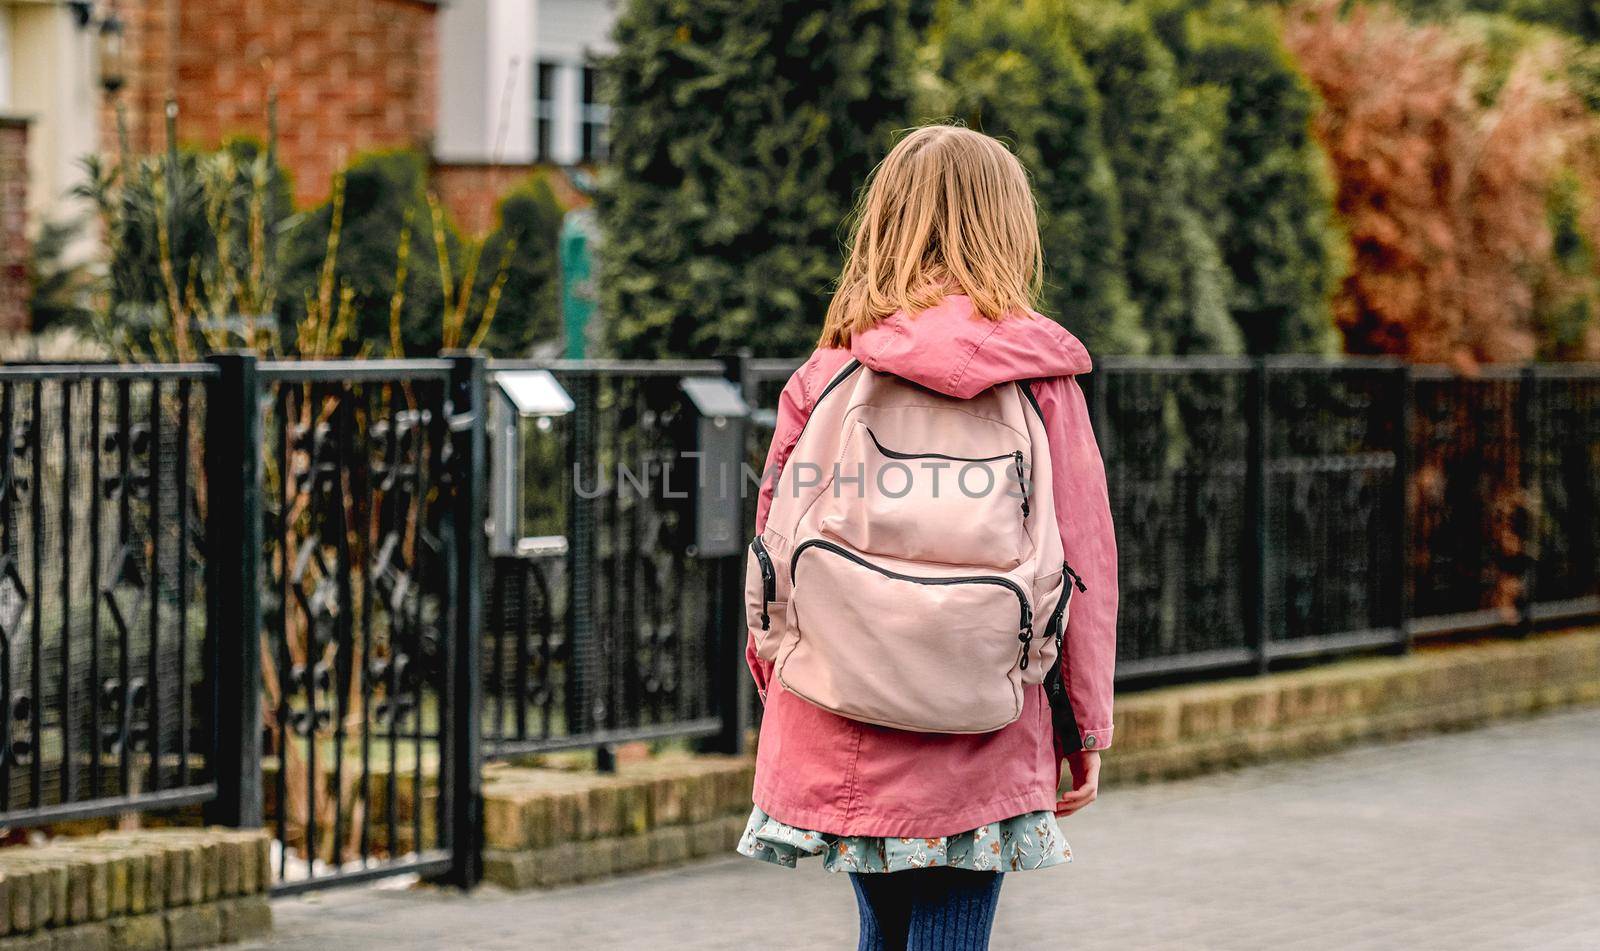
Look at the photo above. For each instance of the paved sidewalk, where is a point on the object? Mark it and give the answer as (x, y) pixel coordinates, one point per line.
(1484, 840)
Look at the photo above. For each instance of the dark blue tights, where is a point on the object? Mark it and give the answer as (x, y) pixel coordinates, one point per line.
(926, 909)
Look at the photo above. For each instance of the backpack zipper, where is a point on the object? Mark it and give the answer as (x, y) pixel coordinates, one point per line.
(1070, 580)
(1021, 481)
(769, 580)
(1025, 625)
(897, 454)
(1015, 456)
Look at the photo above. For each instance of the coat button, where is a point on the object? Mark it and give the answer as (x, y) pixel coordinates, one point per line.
(1091, 741)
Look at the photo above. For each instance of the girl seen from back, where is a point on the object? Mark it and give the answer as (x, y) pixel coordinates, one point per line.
(907, 738)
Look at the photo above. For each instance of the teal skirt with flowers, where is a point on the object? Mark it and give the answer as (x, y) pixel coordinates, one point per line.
(1029, 841)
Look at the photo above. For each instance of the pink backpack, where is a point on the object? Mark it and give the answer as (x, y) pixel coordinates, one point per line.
(911, 572)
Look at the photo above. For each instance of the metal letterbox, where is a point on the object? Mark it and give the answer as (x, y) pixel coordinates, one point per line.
(719, 419)
(518, 395)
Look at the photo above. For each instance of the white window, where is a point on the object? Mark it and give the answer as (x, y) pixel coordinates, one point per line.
(544, 105)
(595, 116)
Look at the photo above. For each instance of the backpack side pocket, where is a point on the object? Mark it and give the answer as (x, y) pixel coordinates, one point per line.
(766, 616)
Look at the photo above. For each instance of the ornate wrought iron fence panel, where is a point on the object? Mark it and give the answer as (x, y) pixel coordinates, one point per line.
(1334, 505)
(1175, 437)
(605, 633)
(1564, 419)
(361, 591)
(1469, 501)
(104, 678)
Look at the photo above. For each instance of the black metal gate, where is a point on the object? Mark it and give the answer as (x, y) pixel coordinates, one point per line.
(362, 491)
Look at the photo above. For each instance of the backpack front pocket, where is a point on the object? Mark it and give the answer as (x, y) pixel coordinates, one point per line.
(765, 616)
(934, 653)
(965, 506)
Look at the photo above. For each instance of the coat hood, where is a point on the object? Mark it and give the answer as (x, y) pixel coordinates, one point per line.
(952, 349)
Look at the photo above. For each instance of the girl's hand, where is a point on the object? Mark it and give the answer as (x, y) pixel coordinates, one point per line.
(1085, 767)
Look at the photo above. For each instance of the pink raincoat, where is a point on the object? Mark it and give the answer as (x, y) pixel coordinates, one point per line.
(816, 770)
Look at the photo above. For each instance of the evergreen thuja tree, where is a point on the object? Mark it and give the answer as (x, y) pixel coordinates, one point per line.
(1010, 69)
(741, 131)
(1164, 159)
(1279, 236)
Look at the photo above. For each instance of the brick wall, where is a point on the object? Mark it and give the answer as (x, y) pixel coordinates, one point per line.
(351, 76)
(13, 224)
(148, 30)
(470, 192)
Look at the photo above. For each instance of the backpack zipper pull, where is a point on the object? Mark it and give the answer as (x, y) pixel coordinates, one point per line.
(1025, 635)
(1077, 581)
(769, 581)
(1022, 481)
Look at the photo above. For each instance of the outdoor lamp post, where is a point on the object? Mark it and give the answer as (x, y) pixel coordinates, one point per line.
(109, 31)
(110, 54)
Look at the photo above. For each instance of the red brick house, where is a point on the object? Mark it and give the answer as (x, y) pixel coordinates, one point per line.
(350, 76)
(480, 84)
(487, 87)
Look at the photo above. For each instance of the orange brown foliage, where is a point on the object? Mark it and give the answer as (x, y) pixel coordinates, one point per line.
(1443, 190)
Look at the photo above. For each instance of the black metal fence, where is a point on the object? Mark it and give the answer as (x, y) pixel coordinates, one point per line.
(105, 699)
(604, 626)
(263, 587)
(1270, 510)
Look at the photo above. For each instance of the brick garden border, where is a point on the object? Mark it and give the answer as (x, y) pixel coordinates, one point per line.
(546, 827)
(1181, 731)
(146, 890)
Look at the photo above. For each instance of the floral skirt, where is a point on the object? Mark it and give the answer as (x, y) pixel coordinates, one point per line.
(1029, 841)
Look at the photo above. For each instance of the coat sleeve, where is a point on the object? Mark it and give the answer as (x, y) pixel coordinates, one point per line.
(794, 406)
(1083, 510)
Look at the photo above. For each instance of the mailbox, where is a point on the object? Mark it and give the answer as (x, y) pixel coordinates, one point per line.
(518, 395)
(719, 416)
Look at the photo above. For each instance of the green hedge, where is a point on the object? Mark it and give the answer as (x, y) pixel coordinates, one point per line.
(740, 132)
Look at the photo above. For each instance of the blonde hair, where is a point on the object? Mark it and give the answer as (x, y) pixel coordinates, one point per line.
(948, 211)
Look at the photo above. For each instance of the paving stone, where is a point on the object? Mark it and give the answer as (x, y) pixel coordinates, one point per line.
(596, 858)
(138, 933)
(668, 801)
(701, 793)
(512, 869)
(669, 845)
(32, 942)
(245, 918)
(197, 926)
(634, 808)
(504, 822)
(633, 853)
(90, 937)
(231, 863)
(556, 865)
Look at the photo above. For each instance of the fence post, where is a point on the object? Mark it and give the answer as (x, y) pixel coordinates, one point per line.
(1528, 476)
(729, 683)
(468, 514)
(232, 461)
(585, 684)
(1404, 433)
(1255, 536)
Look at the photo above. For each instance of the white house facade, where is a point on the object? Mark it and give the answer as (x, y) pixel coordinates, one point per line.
(517, 81)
